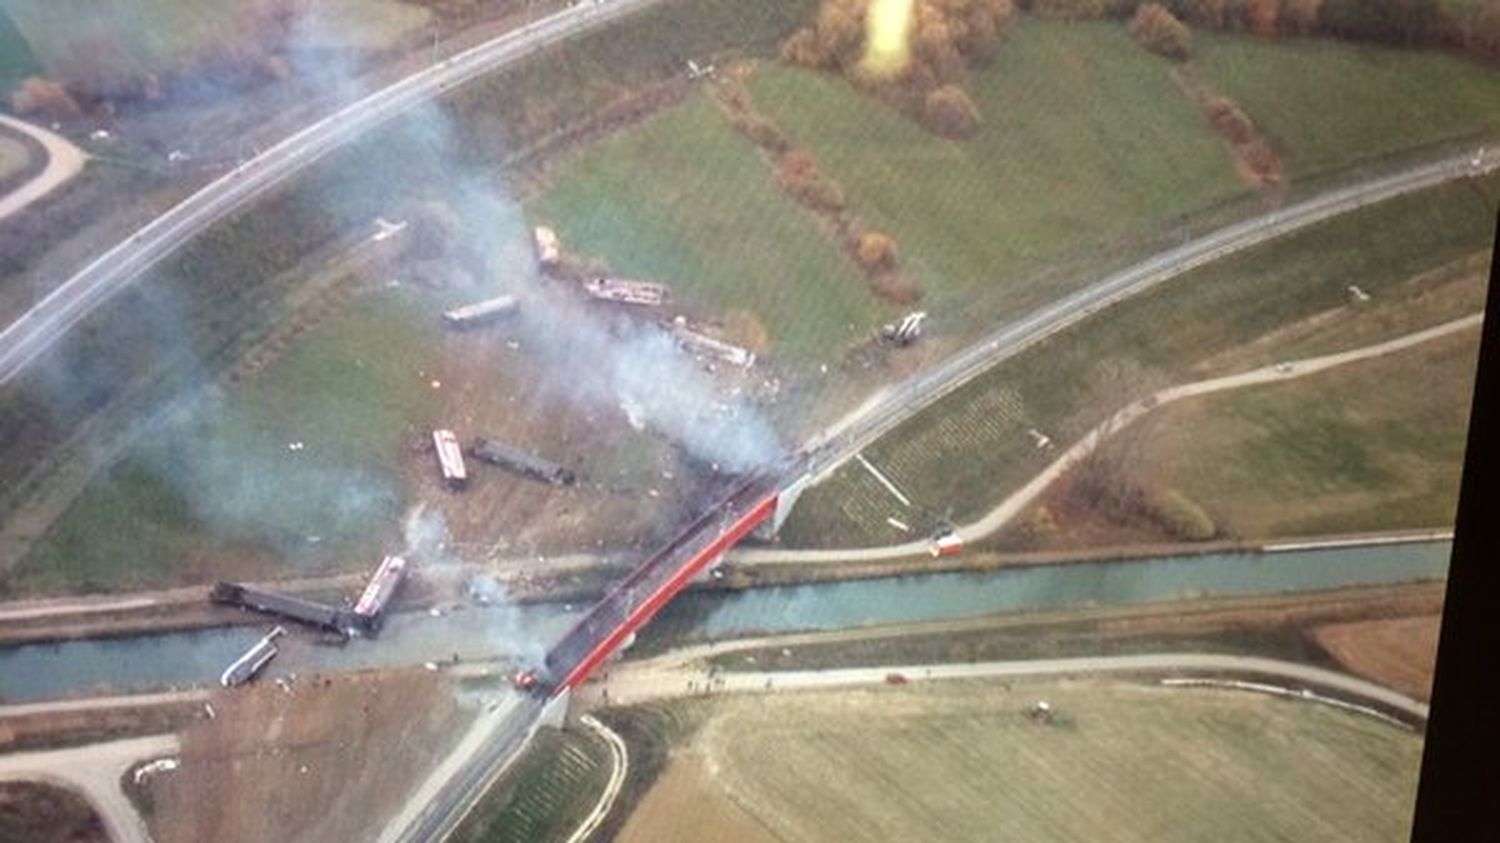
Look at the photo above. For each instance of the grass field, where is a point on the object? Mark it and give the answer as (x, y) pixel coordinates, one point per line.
(155, 35)
(1085, 141)
(1374, 446)
(507, 112)
(949, 468)
(1326, 104)
(219, 481)
(961, 762)
(685, 200)
(16, 59)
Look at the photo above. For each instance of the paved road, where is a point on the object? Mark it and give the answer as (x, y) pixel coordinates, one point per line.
(631, 684)
(64, 161)
(95, 770)
(992, 521)
(24, 340)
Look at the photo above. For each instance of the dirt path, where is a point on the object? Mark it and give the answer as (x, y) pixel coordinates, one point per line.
(64, 161)
(95, 770)
(620, 758)
(997, 518)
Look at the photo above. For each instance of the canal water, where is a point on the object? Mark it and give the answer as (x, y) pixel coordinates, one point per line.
(522, 633)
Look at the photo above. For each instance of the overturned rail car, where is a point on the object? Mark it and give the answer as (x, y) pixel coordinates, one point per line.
(316, 615)
(520, 462)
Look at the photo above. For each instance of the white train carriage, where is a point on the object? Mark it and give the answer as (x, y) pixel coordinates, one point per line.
(450, 459)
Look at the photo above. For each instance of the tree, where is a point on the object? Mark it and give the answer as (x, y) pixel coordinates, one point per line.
(1484, 32)
(1261, 16)
(1208, 14)
(875, 251)
(1300, 17)
(1160, 32)
(45, 98)
(950, 112)
(1107, 478)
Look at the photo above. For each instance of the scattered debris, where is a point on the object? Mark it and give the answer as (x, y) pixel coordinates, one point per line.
(906, 331)
(1042, 439)
(1357, 293)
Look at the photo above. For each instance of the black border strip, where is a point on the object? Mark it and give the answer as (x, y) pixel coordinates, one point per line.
(1460, 784)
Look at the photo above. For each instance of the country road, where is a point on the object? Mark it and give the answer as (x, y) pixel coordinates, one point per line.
(30, 335)
(665, 677)
(1002, 514)
(64, 161)
(95, 771)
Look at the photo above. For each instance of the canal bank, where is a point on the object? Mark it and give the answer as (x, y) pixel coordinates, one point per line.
(521, 633)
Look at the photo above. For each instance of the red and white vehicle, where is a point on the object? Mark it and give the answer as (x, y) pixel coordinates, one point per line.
(450, 459)
(948, 544)
(382, 587)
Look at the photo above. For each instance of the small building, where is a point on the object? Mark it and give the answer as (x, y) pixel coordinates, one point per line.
(481, 313)
(622, 291)
(520, 462)
(450, 459)
(548, 247)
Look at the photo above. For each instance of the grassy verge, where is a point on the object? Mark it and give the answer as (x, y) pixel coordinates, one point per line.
(963, 454)
(545, 795)
(1326, 104)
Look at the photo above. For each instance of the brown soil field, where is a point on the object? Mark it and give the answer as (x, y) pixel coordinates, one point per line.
(962, 762)
(1400, 653)
(331, 759)
(41, 813)
(686, 804)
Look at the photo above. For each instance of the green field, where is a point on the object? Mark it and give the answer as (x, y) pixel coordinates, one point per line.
(1377, 445)
(1327, 104)
(16, 59)
(960, 762)
(963, 454)
(219, 478)
(685, 200)
(575, 82)
(154, 35)
(1086, 142)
